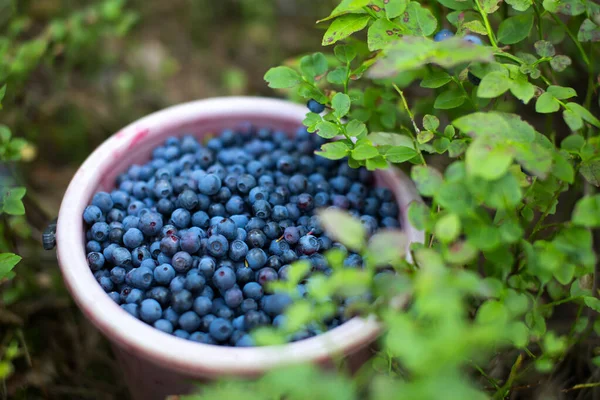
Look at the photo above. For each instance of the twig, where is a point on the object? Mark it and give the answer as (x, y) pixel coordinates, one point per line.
(412, 119)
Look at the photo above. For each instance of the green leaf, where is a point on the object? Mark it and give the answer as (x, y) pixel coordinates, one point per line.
(311, 92)
(282, 78)
(561, 93)
(347, 7)
(7, 263)
(574, 121)
(340, 104)
(591, 171)
(392, 139)
(338, 76)
(544, 48)
(560, 63)
(345, 52)
(487, 161)
(492, 312)
(475, 26)
(515, 29)
(343, 27)
(431, 122)
(449, 99)
(587, 212)
(546, 104)
(588, 32)
(399, 154)
(395, 8)
(435, 79)
(387, 247)
(2, 93)
(447, 228)
(412, 52)
(419, 215)
(457, 148)
(427, 179)
(566, 7)
(592, 302)
(343, 227)
(504, 193)
(355, 128)
(424, 136)
(441, 145)
(534, 157)
(311, 121)
(418, 20)
(313, 65)
(494, 84)
(334, 151)
(572, 143)
(327, 129)
(490, 6)
(583, 113)
(522, 89)
(496, 125)
(376, 163)
(12, 200)
(520, 5)
(364, 151)
(381, 33)
(457, 4)
(562, 168)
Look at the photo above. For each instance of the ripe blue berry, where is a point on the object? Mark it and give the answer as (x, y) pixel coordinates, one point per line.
(150, 311)
(217, 246)
(256, 258)
(92, 214)
(209, 184)
(224, 278)
(202, 305)
(315, 106)
(181, 218)
(163, 325)
(220, 329)
(164, 274)
(103, 201)
(443, 35)
(472, 39)
(182, 301)
(189, 321)
(133, 238)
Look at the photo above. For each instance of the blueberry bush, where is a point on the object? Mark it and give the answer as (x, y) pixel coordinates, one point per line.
(492, 108)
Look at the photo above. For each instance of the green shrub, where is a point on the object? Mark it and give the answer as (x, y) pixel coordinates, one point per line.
(494, 135)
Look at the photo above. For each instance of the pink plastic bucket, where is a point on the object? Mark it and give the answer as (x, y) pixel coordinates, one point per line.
(156, 364)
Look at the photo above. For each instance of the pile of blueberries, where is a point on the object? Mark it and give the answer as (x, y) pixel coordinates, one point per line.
(188, 242)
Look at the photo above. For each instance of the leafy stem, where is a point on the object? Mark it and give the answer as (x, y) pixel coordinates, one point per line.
(412, 119)
(560, 22)
(486, 22)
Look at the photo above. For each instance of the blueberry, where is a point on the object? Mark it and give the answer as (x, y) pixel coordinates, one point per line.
(287, 164)
(261, 209)
(106, 284)
(216, 209)
(266, 275)
(100, 231)
(256, 258)
(315, 106)
(248, 305)
(308, 244)
(164, 274)
(133, 238)
(220, 329)
(390, 222)
(209, 184)
(200, 219)
(163, 325)
(171, 315)
(132, 309)
(95, 260)
(235, 205)
(117, 275)
(115, 297)
(202, 305)
(182, 301)
(388, 209)
(258, 193)
(92, 214)
(291, 235)
(224, 278)
(187, 199)
(273, 230)
(275, 304)
(93, 245)
(473, 79)
(227, 228)
(141, 277)
(160, 294)
(217, 245)
(443, 35)
(305, 202)
(181, 218)
(238, 250)
(244, 275)
(194, 281)
(255, 223)
(190, 242)
(207, 266)
(121, 256)
(233, 297)
(150, 311)
(472, 39)
(103, 201)
(253, 290)
(182, 261)
(245, 183)
(201, 337)
(252, 320)
(324, 243)
(180, 333)
(169, 245)
(278, 247)
(189, 321)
